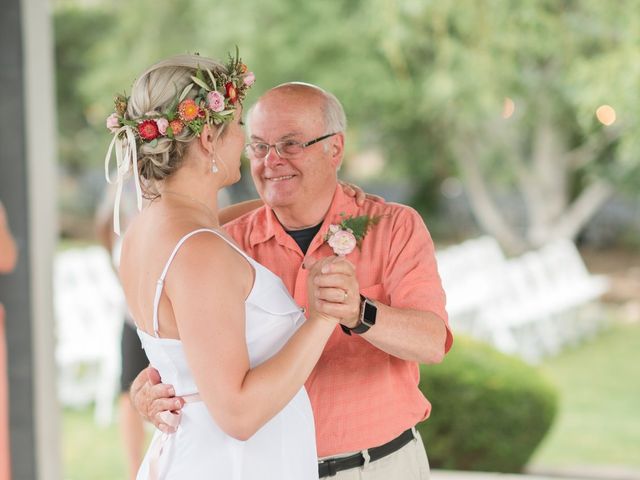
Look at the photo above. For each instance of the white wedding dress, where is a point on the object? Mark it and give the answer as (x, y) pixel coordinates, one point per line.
(283, 449)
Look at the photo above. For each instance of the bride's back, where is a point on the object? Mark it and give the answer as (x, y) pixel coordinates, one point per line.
(146, 247)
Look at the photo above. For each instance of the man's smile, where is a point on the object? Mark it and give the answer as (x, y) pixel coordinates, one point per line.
(279, 178)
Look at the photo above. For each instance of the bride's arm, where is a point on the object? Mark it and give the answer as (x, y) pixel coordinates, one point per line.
(236, 210)
(207, 287)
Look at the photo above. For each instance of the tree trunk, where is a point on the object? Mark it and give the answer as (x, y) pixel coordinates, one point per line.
(546, 197)
(581, 210)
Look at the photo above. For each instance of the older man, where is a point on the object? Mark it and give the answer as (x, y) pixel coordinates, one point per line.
(364, 389)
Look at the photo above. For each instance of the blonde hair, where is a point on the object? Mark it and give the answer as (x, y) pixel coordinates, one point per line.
(154, 91)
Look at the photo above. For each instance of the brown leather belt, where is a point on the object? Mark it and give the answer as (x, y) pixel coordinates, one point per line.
(330, 466)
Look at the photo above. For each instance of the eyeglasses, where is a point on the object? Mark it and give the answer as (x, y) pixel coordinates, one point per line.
(284, 149)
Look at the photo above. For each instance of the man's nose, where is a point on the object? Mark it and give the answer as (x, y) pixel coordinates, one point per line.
(272, 157)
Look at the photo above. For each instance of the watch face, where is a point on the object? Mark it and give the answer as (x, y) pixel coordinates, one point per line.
(369, 314)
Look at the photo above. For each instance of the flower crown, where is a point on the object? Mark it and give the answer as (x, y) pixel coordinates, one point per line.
(218, 95)
(216, 101)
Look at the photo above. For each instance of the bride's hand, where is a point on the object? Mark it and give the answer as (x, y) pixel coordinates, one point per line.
(333, 290)
(353, 190)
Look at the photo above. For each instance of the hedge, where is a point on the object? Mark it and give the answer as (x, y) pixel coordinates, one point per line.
(490, 411)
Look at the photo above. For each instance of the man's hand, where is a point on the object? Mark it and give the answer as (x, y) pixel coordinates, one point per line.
(334, 289)
(150, 398)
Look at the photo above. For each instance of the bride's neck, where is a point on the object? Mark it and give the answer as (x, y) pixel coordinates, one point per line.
(193, 195)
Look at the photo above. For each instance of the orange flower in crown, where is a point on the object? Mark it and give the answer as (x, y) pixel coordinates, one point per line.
(188, 110)
(176, 127)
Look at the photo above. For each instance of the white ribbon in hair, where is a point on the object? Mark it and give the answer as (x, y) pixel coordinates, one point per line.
(126, 159)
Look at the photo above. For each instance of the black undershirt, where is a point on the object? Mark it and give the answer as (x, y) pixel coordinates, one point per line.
(304, 237)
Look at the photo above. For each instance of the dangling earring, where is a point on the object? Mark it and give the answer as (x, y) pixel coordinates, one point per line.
(214, 166)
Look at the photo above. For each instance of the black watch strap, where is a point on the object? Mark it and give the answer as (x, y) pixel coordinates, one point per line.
(368, 312)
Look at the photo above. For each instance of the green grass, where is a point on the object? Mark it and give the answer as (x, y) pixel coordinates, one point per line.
(90, 452)
(598, 422)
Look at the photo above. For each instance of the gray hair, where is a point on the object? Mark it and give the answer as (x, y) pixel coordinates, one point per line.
(334, 119)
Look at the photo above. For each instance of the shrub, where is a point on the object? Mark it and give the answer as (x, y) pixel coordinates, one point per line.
(490, 410)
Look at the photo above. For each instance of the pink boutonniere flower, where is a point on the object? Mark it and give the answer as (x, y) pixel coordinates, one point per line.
(343, 242)
(344, 237)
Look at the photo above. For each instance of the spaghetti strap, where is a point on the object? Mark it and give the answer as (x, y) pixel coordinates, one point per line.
(160, 282)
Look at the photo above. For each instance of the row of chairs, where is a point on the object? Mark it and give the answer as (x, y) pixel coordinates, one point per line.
(89, 310)
(532, 305)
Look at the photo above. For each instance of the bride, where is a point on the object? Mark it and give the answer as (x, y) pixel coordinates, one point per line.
(217, 325)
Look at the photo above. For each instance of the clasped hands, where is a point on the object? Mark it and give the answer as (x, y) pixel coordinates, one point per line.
(333, 291)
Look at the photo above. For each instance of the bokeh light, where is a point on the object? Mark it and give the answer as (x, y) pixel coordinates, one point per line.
(606, 114)
(508, 108)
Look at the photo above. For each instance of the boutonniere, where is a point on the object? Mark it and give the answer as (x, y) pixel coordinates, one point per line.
(349, 233)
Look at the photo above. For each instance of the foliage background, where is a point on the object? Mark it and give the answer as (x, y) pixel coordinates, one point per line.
(423, 84)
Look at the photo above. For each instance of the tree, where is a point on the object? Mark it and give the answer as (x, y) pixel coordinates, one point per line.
(77, 30)
(557, 61)
(426, 83)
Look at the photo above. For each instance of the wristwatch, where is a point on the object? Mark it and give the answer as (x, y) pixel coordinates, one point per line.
(368, 312)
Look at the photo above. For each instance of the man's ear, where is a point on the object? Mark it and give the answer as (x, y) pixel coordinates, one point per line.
(336, 149)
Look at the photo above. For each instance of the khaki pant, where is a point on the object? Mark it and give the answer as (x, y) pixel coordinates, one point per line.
(408, 463)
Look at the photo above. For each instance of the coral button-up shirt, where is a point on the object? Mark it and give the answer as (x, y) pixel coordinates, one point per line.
(361, 396)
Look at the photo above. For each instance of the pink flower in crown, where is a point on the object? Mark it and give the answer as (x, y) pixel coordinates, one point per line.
(342, 242)
(215, 101)
(249, 79)
(162, 124)
(113, 122)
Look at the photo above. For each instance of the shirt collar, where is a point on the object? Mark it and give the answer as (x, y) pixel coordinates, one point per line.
(267, 225)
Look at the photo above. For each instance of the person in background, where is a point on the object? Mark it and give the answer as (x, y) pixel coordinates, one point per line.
(8, 259)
